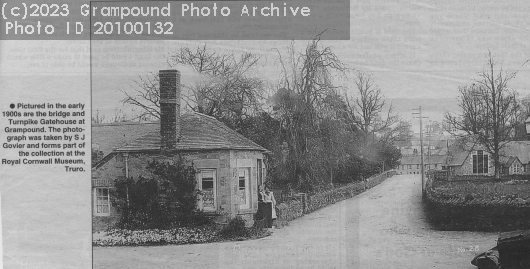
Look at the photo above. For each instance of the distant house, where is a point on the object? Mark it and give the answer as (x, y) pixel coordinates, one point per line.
(511, 165)
(520, 149)
(469, 159)
(473, 159)
(229, 166)
(412, 164)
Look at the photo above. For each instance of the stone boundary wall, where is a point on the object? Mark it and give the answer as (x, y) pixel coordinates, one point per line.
(288, 211)
(305, 204)
(476, 214)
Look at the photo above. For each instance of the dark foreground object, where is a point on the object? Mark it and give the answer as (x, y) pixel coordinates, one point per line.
(512, 251)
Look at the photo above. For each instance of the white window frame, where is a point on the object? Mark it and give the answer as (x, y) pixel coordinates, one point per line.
(98, 205)
(200, 204)
(476, 164)
(517, 168)
(245, 172)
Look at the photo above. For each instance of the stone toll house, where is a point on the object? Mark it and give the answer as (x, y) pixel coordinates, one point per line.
(229, 166)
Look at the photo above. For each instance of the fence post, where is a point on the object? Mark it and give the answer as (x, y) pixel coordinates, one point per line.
(303, 200)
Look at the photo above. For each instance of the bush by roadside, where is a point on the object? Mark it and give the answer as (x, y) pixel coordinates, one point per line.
(236, 231)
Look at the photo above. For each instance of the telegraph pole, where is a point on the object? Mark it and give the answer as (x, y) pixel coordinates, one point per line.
(429, 135)
(421, 150)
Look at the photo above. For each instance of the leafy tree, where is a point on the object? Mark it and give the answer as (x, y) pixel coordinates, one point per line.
(488, 110)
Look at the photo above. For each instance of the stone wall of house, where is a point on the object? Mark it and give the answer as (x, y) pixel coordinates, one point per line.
(114, 168)
(467, 166)
(246, 159)
(225, 162)
(102, 223)
(103, 177)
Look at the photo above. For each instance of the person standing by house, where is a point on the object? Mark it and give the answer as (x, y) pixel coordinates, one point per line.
(270, 207)
(261, 213)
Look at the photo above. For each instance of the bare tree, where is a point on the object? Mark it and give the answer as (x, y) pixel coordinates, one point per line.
(401, 131)
(144, 94)
(488, 111)
(365, 110)
(226, 89)
(96, 119)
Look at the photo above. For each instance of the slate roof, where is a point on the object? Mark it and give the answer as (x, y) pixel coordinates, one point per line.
(436, 159)
(198, 132)
(458, 152)
(457, 158)
(521, 149)
(410, 160)
(433, 159)
(508, 161)
(110, 136)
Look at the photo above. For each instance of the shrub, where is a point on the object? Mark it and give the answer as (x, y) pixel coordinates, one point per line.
(165, 200)
(235, 228)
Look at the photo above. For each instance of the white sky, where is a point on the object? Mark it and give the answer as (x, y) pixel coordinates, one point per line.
(419, 52)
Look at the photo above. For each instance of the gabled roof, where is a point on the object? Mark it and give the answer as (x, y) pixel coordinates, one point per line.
(508, 161)
(458, 152)
(198, 132)
(457, 158)
(521, 149)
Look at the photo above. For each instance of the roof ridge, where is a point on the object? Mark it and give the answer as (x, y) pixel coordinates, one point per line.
(202, 114)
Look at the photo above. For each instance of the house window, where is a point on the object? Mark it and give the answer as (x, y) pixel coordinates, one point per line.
(244, 188)
(403, 167)
(207, 200)
(410, 166)
(417, 166)
(480, 163)
(517, 168)
(102, 204)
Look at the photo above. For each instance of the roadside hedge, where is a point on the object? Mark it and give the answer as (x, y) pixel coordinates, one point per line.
(478, 206)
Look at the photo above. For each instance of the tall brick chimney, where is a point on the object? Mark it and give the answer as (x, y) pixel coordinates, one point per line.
(169, 108)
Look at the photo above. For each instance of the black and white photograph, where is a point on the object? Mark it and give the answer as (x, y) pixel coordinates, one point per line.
(405, 144)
